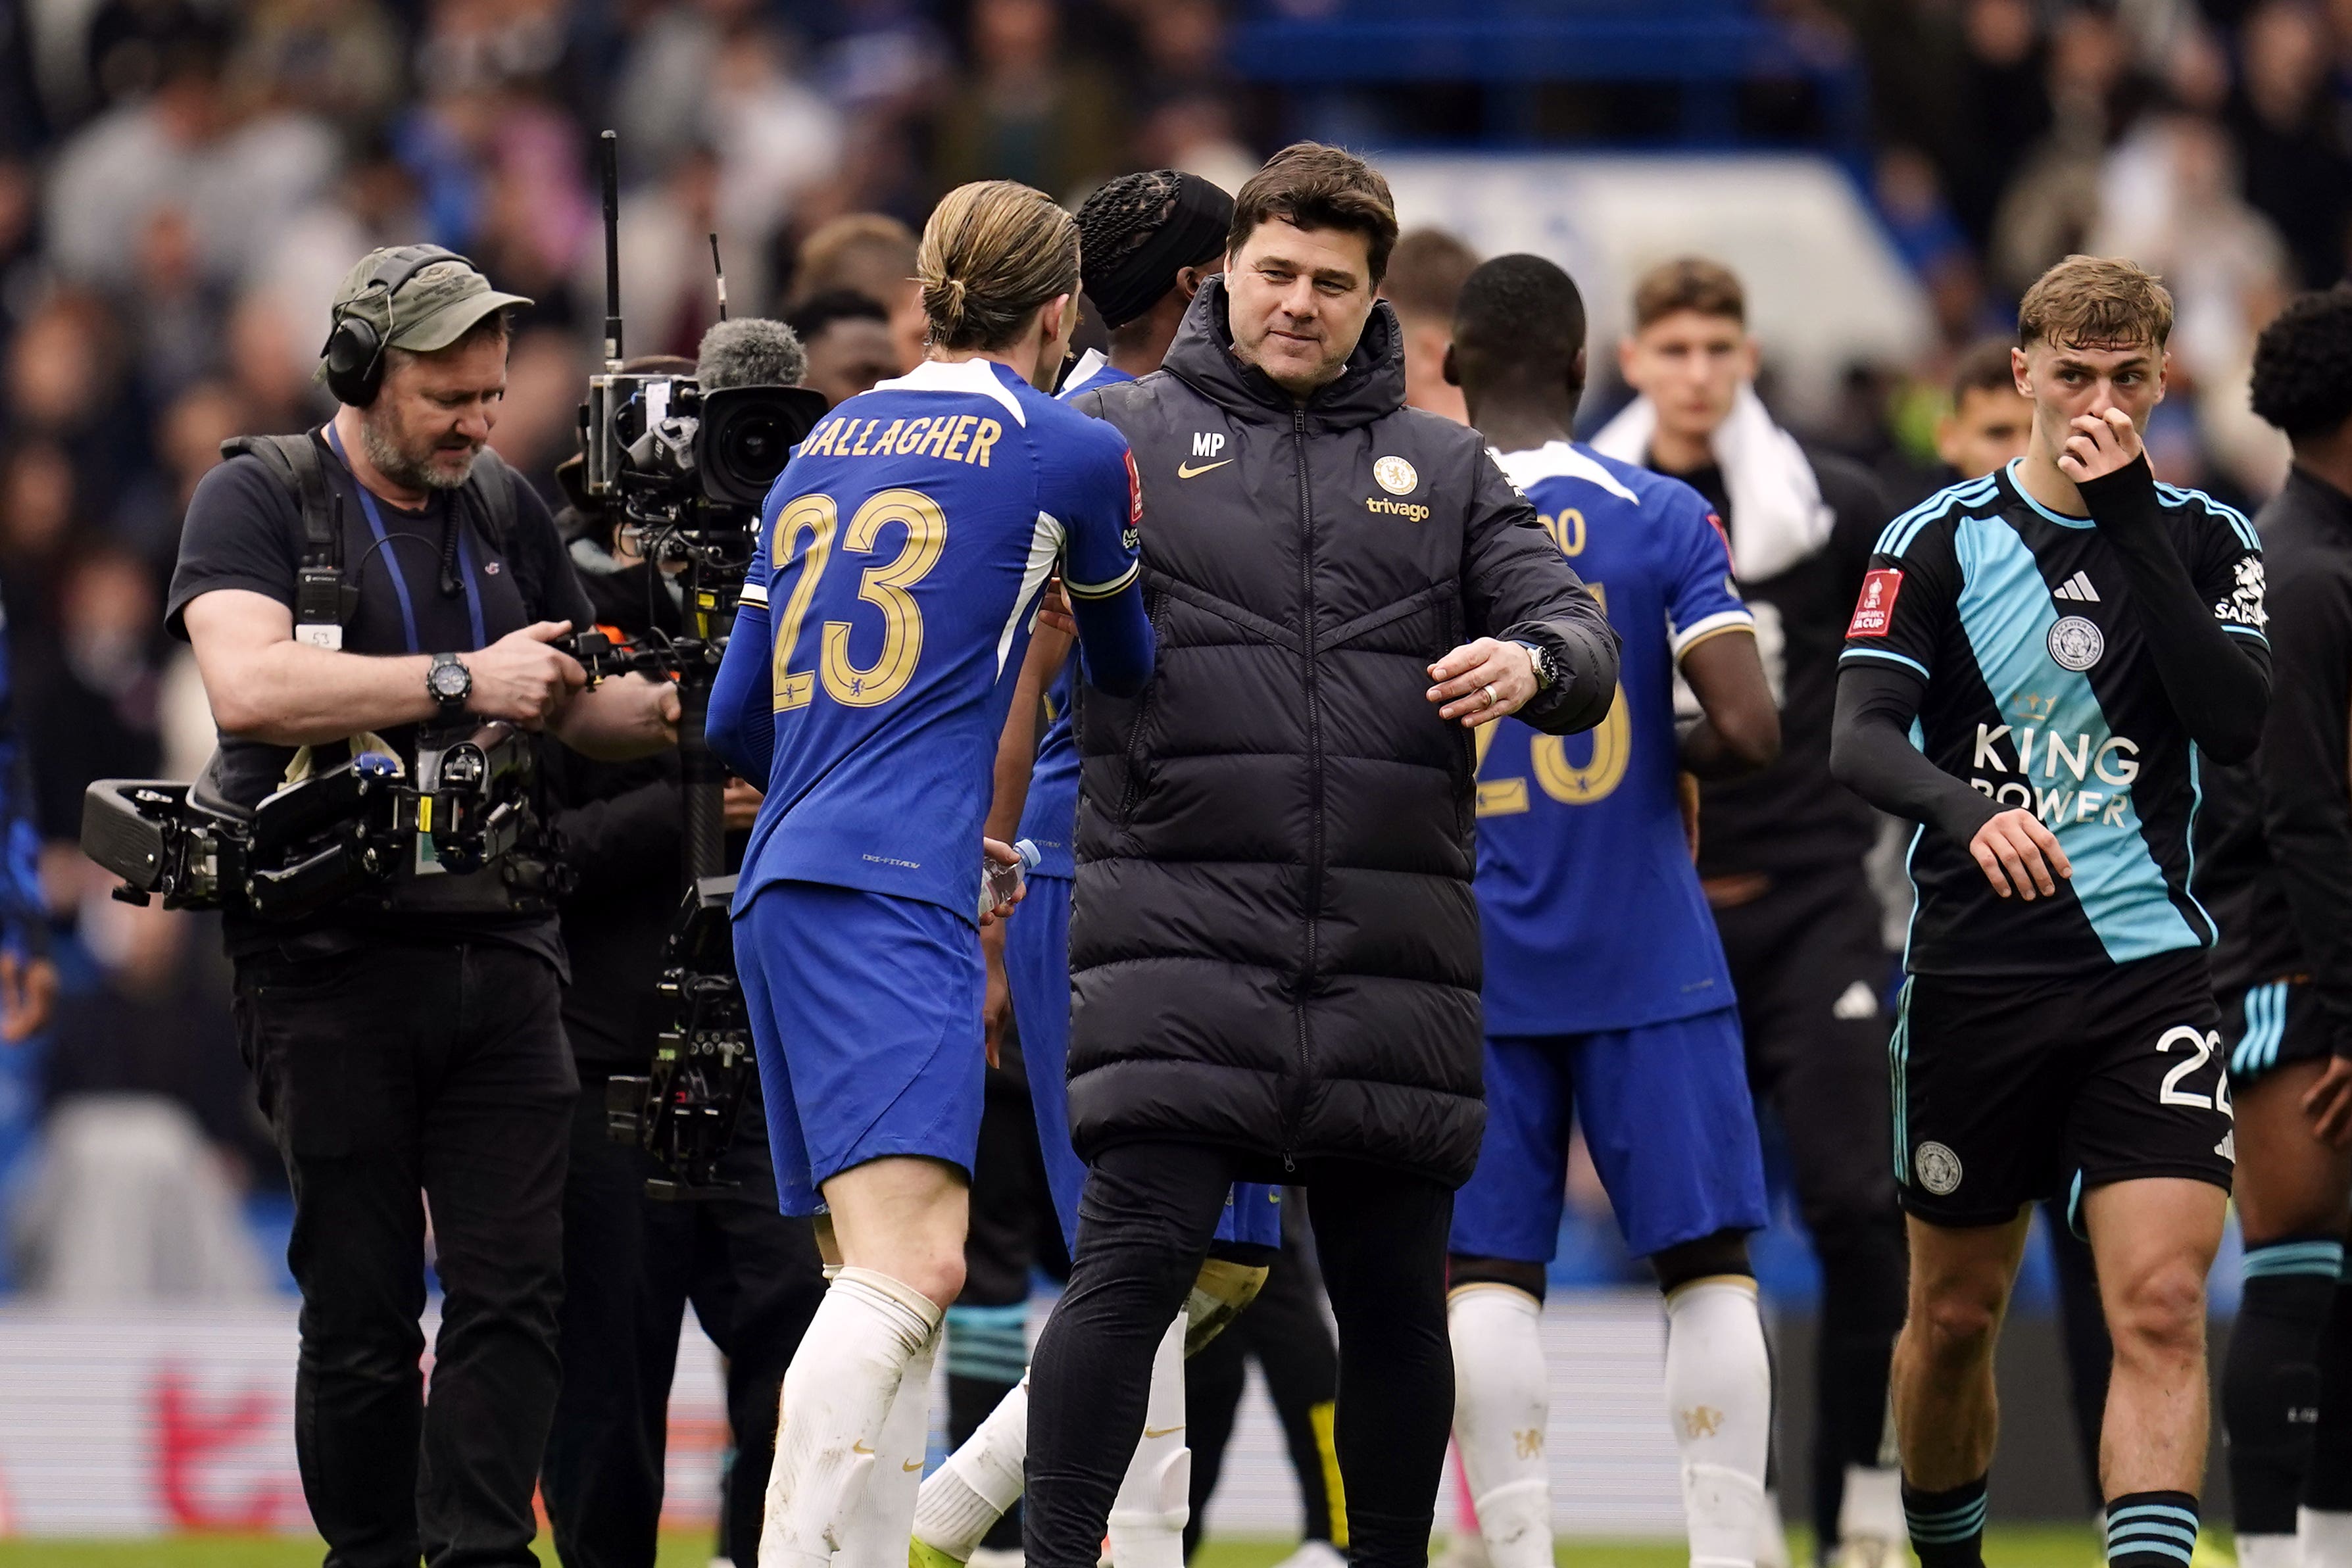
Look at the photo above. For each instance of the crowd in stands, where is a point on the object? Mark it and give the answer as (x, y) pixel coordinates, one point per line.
(182, 183)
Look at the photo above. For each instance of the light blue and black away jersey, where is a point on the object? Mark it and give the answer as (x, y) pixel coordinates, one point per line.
(1590, 908)
(2042, 693)
(905, 549)
(1049, 817)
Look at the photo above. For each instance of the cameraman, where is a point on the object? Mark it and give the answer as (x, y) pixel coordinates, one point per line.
(342, 591)
(631, 1263)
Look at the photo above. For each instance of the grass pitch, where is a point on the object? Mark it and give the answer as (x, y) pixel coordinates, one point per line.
(2056, 1547)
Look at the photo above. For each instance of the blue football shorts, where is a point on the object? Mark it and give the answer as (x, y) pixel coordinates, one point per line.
(865, 1012)
(1037, 970)
(1666, 1114)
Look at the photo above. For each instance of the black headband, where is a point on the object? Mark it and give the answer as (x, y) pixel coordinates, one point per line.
(1193, 232)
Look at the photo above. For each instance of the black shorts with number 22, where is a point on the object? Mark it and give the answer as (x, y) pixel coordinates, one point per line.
(2011, 1090)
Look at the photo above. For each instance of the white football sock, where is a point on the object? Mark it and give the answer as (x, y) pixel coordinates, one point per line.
(1147, 1517)
(883, 1516)
(1873, 1510)
(2269, 1551)
(837, 1394)
(1719, 1400)
(963, 1498)
(1502, 1403)
(2324, 1536)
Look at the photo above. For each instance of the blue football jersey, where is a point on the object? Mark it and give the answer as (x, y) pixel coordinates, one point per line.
(1593, 914)
(1049, 817)
(905, 547)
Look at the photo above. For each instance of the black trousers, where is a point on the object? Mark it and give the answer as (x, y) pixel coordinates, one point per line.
(1144, 1224)
(631, 1264)
(396, 1079)
(1284, 1332)
(1817, 1055)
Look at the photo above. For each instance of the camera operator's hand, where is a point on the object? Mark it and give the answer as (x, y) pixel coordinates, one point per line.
(740, 806)
(627, 717)
(521, 680)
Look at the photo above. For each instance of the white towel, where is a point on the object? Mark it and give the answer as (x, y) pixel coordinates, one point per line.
(1778, 516)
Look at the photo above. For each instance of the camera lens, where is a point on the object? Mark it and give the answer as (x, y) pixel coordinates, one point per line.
(755, 445)
(747, 437)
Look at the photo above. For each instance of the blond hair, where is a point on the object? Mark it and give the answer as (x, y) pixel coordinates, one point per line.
(2096, 302)
(992, 252)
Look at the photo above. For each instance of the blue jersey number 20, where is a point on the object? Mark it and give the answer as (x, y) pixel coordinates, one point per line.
(884, 586)
(1613, 743)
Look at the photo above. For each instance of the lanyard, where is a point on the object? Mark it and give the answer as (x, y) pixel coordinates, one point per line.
(466, 575)
(392, 562)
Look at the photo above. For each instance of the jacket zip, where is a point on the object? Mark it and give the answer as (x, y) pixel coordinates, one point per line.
(1296, 1109)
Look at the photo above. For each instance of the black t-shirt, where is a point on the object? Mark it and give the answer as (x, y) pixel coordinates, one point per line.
(244, 530)
(1793, 817)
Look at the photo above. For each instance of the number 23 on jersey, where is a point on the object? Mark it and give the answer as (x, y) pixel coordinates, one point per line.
(885, 586)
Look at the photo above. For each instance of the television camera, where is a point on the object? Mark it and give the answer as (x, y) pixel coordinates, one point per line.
(679, 466)
(343, 832)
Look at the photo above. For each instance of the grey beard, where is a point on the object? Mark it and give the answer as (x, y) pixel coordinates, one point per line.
(398, 467)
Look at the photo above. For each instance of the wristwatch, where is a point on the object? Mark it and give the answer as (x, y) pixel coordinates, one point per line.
(1547, 676)
(449, 683)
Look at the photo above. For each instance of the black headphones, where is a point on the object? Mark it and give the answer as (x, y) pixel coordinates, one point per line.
(354, 350)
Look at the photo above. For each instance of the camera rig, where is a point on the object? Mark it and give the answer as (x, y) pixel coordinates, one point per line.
(681, 469)
(343, 832)
(683, 1110)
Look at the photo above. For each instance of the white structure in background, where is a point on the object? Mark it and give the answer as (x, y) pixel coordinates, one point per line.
(130, 1204)
(1825, 289)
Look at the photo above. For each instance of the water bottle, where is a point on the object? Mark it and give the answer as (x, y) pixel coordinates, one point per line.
(999, 884)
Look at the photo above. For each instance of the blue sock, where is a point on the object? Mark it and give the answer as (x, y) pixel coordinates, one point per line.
(1947, 1528)
(2151, 1529)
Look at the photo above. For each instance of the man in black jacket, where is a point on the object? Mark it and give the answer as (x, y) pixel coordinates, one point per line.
(631, 1264)
(1275, 945)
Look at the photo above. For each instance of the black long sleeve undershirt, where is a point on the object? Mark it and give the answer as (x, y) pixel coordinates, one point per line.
(2304, 769)
(2219, 684)
(1871, 753)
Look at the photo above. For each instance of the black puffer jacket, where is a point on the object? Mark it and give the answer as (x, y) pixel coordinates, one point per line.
(1274, 943)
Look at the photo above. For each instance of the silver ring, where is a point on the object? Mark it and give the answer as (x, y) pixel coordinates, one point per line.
(1490, 694)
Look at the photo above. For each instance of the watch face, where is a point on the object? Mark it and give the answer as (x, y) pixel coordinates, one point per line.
(450, 681)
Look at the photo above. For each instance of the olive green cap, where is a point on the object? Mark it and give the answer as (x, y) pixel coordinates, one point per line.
(432, 310)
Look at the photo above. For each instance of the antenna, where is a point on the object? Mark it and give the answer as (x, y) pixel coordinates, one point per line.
(609, 156)
(720, 273)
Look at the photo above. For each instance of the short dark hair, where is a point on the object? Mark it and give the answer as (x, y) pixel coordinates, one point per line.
(2303, 365)
(810, 317)
(1310, 185)
(1689, 283)
(1427, 272)
(1983, 367)
(1518, 316)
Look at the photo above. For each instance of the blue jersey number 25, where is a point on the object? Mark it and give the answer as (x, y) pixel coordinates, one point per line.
(884, 587)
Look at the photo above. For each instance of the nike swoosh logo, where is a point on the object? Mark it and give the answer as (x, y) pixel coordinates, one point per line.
(1163, 1431)
(912, 1465)
(859, 1448)
(1187, 471)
